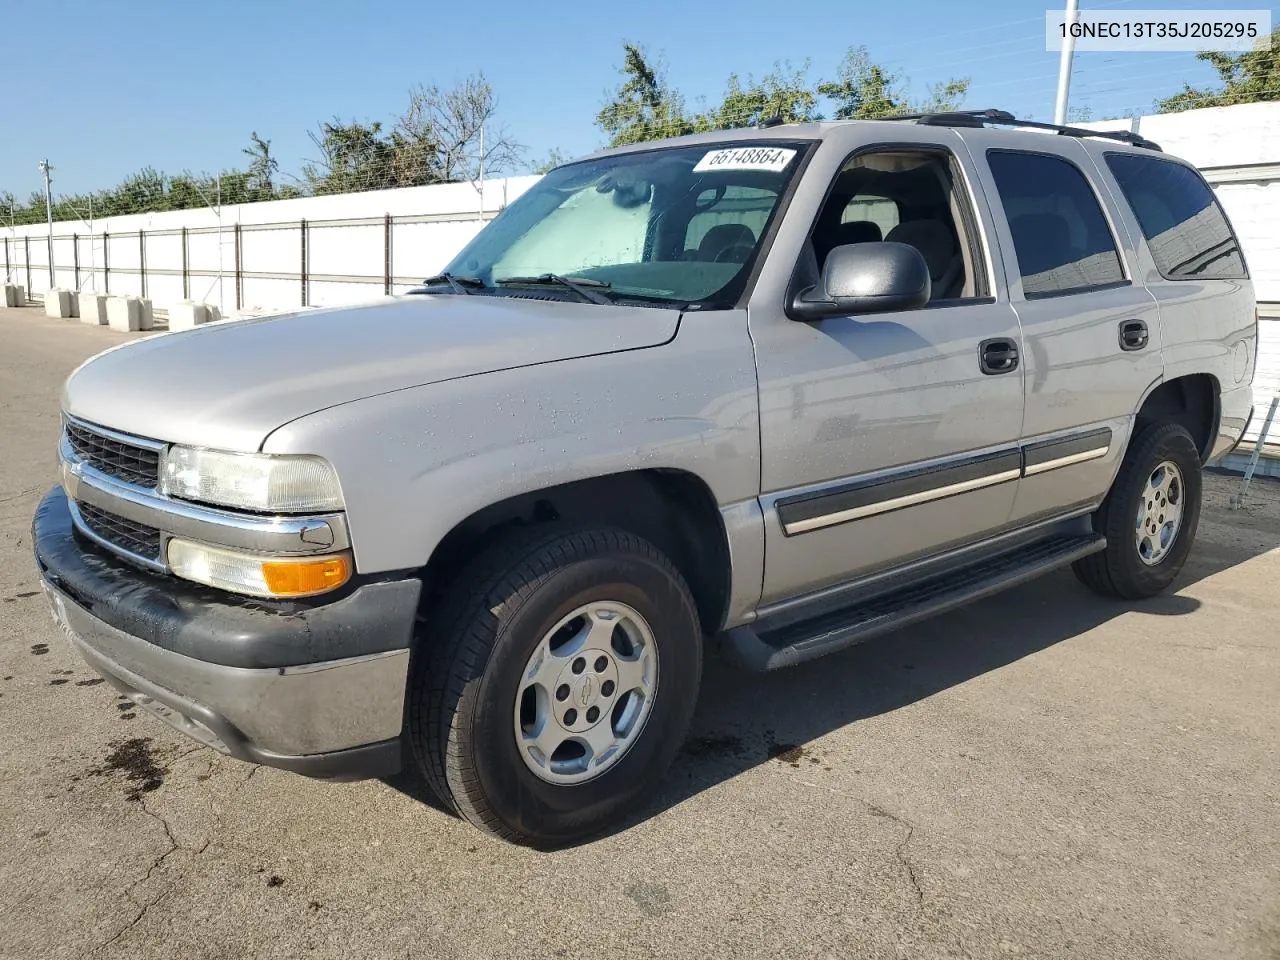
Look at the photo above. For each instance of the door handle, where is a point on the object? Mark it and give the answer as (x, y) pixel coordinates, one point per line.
(1133, 335)
(998, 355)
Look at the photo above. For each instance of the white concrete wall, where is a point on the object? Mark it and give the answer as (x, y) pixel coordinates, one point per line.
(355, 251)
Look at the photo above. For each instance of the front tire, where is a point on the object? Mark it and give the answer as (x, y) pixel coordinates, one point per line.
(556, 684)
(1149, 517)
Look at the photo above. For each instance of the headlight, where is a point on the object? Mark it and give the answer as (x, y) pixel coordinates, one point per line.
(257, 575)
(250, 481)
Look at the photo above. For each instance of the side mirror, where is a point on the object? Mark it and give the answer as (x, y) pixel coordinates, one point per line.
(866, 278)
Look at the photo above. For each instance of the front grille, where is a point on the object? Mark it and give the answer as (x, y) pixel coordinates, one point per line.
(136, 538)
(124, 461)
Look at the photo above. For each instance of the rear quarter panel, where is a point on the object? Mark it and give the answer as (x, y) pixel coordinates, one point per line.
(1206, 326)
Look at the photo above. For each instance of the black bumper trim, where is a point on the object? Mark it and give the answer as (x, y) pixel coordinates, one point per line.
(367, 762)
(372, 616)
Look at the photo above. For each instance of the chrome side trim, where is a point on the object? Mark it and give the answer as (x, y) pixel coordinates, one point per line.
(837, 594)
(897, 503)
(151, 563)
(1067, 461)
(153, 445)
(282, 535)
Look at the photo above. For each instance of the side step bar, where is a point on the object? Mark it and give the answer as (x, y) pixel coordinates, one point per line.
(756, 647)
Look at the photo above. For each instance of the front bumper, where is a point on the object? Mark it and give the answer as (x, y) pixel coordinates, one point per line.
(313, 687)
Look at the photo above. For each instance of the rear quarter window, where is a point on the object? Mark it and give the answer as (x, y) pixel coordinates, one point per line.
(1186, 230)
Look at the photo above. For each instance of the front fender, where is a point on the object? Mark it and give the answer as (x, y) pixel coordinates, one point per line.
(415, 463)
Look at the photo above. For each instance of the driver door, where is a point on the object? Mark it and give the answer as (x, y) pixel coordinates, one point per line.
(885, 437)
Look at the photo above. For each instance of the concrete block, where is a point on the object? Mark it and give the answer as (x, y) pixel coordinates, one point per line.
(148, 316)
(75, 303)
(187, 314)
(215, 315)
(124, 313)
(57, 303)
(9, 295)
(93, 308)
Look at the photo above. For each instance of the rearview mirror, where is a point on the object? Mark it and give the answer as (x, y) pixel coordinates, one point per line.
(866, 278)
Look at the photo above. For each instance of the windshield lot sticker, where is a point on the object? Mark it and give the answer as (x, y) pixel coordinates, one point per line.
(774, 159)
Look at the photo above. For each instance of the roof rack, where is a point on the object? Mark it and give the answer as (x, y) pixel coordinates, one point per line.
(981, 118)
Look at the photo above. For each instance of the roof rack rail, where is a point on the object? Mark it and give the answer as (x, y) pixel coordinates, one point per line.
(981, 118)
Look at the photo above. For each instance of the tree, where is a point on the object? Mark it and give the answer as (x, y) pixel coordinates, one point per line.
(141, 192)
(643, 107)
(447, 135)
(353, 157)
(646, 107)
(864, 90)
(783, 93)
(555, 156)
(262, 166)
(1247, 77)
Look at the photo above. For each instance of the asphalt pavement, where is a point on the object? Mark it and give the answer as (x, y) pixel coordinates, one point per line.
(1043, 774)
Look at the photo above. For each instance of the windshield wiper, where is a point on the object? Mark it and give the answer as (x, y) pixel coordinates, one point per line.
(456, 283)
(583, 286)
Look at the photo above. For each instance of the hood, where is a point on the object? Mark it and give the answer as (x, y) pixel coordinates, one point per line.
(228, 385)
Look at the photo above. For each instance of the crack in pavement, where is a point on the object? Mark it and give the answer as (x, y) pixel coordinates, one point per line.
(900, 851)
(20, 494)
(144, 907)
(253, 771)
(174, 847)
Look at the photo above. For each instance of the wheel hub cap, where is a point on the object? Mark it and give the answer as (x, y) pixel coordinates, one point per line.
(586, 692)
(1159, 515)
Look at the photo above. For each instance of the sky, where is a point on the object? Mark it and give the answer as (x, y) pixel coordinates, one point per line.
(105, 88)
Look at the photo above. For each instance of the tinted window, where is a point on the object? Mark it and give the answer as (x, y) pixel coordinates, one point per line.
(1185, 228)
(1060, 236)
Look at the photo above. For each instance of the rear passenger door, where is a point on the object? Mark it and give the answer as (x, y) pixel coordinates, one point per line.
(1091, 333)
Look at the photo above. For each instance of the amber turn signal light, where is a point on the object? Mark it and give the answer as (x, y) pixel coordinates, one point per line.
(300, 578)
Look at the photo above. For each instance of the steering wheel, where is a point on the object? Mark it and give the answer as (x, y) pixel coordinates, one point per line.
(717, 194)
(734, 253)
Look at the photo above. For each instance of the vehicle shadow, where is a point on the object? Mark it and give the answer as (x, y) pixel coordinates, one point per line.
(746, 719)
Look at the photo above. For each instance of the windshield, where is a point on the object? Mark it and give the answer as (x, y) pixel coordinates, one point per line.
(669, 227)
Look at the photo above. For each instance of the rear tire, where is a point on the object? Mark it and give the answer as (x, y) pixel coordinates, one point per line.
(476, 700)
(1149, 517)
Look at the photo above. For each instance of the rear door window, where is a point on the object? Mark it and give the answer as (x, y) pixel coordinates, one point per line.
(1060, 235)
(1186, 230)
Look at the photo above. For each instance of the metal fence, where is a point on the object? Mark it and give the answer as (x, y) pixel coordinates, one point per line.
(221, 263)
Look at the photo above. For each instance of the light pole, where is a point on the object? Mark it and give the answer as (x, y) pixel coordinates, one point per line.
(1064, 65)
(48, 209)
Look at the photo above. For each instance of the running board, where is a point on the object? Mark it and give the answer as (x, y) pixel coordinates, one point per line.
(756, 647)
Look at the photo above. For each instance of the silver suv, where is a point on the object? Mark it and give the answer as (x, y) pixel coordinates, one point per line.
(786, 388)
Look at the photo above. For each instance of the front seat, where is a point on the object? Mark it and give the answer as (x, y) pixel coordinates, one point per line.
(934, 241)
(727, 243)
